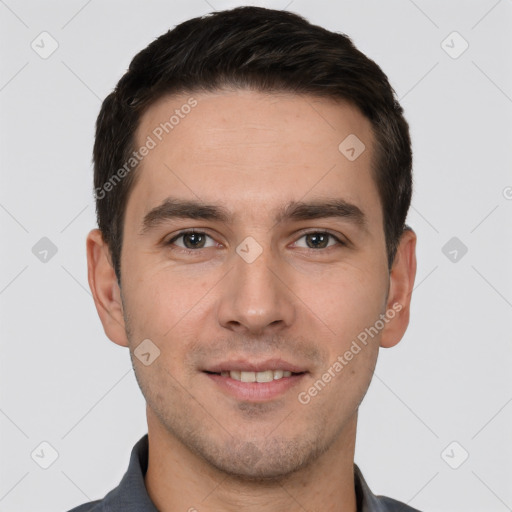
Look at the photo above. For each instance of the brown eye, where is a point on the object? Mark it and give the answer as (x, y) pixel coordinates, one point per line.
(191, 240)
(320, 240)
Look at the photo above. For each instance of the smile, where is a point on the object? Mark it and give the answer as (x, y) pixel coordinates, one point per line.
(255, 386)
(264, 376)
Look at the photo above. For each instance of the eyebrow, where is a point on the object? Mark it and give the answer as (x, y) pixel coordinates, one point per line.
(174, 208)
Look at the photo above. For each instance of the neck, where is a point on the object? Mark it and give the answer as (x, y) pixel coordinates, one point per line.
(179, 480)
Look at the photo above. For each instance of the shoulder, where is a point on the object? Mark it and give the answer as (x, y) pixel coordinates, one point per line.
(131, 494)
(369, 502)
(391, 505)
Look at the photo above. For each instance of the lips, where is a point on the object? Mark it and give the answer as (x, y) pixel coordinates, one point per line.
(255, 381)
(255, 391)
(263, 376)
(243, 365)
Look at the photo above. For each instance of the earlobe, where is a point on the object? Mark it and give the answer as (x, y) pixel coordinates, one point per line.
(403, 273)
(105, 288)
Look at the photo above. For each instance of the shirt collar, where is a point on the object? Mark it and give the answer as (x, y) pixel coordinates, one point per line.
(366, 500)
(131, 494)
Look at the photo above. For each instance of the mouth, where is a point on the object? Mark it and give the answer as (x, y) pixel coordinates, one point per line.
(261, 376)
(255, 382)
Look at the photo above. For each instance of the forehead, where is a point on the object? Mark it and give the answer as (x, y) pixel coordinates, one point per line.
(246, 149)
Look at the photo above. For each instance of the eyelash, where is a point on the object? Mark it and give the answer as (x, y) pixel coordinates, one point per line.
(190, 251)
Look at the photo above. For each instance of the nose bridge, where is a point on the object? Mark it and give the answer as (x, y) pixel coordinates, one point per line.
(252, 270)
(255, 296)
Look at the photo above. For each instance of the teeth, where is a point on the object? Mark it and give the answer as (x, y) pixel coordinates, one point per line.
(265, 376)
(235, 374)
(248, 376)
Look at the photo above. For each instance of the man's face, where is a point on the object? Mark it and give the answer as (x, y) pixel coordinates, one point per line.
(254, 292)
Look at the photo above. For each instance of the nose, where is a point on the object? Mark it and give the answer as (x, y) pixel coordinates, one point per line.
(256, 297)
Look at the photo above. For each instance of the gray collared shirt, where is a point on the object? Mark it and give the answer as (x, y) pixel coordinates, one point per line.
(131, 495)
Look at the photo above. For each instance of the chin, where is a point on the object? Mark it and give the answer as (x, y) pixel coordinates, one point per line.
(264, 461)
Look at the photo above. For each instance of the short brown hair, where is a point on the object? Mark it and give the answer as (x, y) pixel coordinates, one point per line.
(264, 50)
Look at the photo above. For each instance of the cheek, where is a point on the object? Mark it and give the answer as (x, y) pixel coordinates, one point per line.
(154, 294)
(349, 308)
(166, 307)
(345, 300)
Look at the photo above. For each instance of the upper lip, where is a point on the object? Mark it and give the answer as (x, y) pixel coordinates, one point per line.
(252, 366)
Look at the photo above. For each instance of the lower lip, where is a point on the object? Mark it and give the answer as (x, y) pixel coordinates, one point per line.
(255, 391)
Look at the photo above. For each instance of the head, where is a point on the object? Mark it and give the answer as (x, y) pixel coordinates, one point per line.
(257, 49)
(240, 117)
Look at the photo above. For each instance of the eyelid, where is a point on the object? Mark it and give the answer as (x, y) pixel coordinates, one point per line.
(341, 241)
(198, 231)
(338, 236)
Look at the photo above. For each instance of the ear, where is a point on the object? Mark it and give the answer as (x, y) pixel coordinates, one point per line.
(401, 284)
(105, 289)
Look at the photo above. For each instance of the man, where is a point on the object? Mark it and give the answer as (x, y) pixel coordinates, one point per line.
(252, 180)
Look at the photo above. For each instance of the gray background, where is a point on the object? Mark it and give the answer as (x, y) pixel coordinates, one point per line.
(64, 382)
